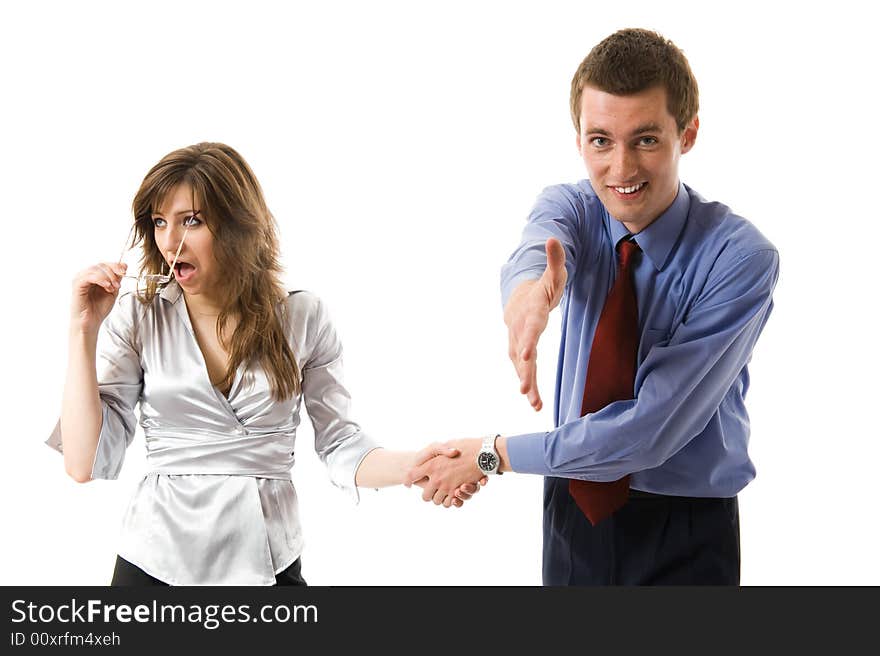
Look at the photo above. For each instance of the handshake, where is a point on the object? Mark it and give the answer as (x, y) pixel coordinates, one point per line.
(447, 473)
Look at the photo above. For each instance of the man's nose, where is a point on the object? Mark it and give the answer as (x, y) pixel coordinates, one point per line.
(624, 165)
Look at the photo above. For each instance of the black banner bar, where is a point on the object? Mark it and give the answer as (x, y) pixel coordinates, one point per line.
(416, 619)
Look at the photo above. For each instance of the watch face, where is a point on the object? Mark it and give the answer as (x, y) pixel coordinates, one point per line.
(487, 461)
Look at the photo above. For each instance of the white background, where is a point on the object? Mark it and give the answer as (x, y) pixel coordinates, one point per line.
(400, 147)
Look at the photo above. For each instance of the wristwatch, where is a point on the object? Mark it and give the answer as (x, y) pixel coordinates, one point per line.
(487, 458)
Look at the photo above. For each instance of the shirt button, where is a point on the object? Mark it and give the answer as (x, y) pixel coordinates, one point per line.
(239, 430)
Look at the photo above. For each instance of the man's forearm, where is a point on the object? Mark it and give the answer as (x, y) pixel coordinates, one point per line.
(501, 448)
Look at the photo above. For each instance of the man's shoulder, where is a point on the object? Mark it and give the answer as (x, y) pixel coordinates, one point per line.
(570, 191)
(715, 222)
(578, 197)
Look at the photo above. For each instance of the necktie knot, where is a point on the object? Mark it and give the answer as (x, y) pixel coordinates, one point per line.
(627, 248)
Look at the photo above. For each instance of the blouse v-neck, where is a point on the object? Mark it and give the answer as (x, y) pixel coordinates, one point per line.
(185, 314)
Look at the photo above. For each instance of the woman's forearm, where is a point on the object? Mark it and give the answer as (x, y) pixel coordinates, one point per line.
(381, 468)
(81, 414)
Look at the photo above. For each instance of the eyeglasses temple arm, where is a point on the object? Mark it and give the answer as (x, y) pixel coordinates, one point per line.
(179, 247)
(125, 246)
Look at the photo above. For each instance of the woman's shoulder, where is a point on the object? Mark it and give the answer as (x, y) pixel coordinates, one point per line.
(303, 301)
(129, 310)
(308, 322)
(305, 310)
(125, 321)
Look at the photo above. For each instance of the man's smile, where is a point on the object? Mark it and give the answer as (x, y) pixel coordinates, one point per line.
(629, 193)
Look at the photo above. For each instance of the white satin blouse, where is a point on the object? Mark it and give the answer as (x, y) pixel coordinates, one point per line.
(218, 506)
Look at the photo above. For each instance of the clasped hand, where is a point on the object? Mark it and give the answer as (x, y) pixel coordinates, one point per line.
(447, 473)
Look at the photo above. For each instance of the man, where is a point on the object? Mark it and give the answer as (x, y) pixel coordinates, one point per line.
(663, 296)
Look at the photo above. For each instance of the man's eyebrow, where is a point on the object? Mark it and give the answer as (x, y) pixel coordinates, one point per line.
(647, 127)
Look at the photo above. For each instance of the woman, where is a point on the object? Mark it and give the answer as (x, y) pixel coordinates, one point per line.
(220, 359)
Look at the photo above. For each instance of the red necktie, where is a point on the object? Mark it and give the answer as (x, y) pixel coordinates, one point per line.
(611, 374)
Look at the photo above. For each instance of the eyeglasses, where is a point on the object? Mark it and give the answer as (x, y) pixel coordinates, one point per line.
(153, 280)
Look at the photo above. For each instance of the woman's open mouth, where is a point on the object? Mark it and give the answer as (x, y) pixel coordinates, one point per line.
(183, 271)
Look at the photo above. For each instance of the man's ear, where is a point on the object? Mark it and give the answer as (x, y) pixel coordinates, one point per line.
(689, 136)
(577, 141)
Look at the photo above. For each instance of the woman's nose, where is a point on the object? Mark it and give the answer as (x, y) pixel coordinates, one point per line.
(171, 241)
(169, 246)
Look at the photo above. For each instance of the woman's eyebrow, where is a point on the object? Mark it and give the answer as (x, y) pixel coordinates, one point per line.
(158, 214)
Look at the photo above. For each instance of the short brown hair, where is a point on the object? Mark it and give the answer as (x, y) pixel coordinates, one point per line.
(633, 60)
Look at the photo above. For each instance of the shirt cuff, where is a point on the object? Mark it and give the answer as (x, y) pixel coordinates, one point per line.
(345, 461)
(109, 450)
(526, 454)
(54, 440)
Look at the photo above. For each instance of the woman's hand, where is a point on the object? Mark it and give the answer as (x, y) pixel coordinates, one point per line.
(94, 293)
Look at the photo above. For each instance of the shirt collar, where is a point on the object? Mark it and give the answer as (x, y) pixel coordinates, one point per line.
(171, 292)
(657, 240)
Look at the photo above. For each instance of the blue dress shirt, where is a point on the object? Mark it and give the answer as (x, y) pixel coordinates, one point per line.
(704, 281)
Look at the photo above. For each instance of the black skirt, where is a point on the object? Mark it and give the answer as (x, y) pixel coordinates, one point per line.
(126, 574)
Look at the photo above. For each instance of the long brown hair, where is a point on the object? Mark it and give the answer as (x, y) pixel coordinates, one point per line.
(230, 201)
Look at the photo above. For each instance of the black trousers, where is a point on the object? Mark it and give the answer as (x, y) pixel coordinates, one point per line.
(652, 540)
(126, 574)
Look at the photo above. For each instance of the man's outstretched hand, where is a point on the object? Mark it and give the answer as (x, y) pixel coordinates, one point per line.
(526, 315)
